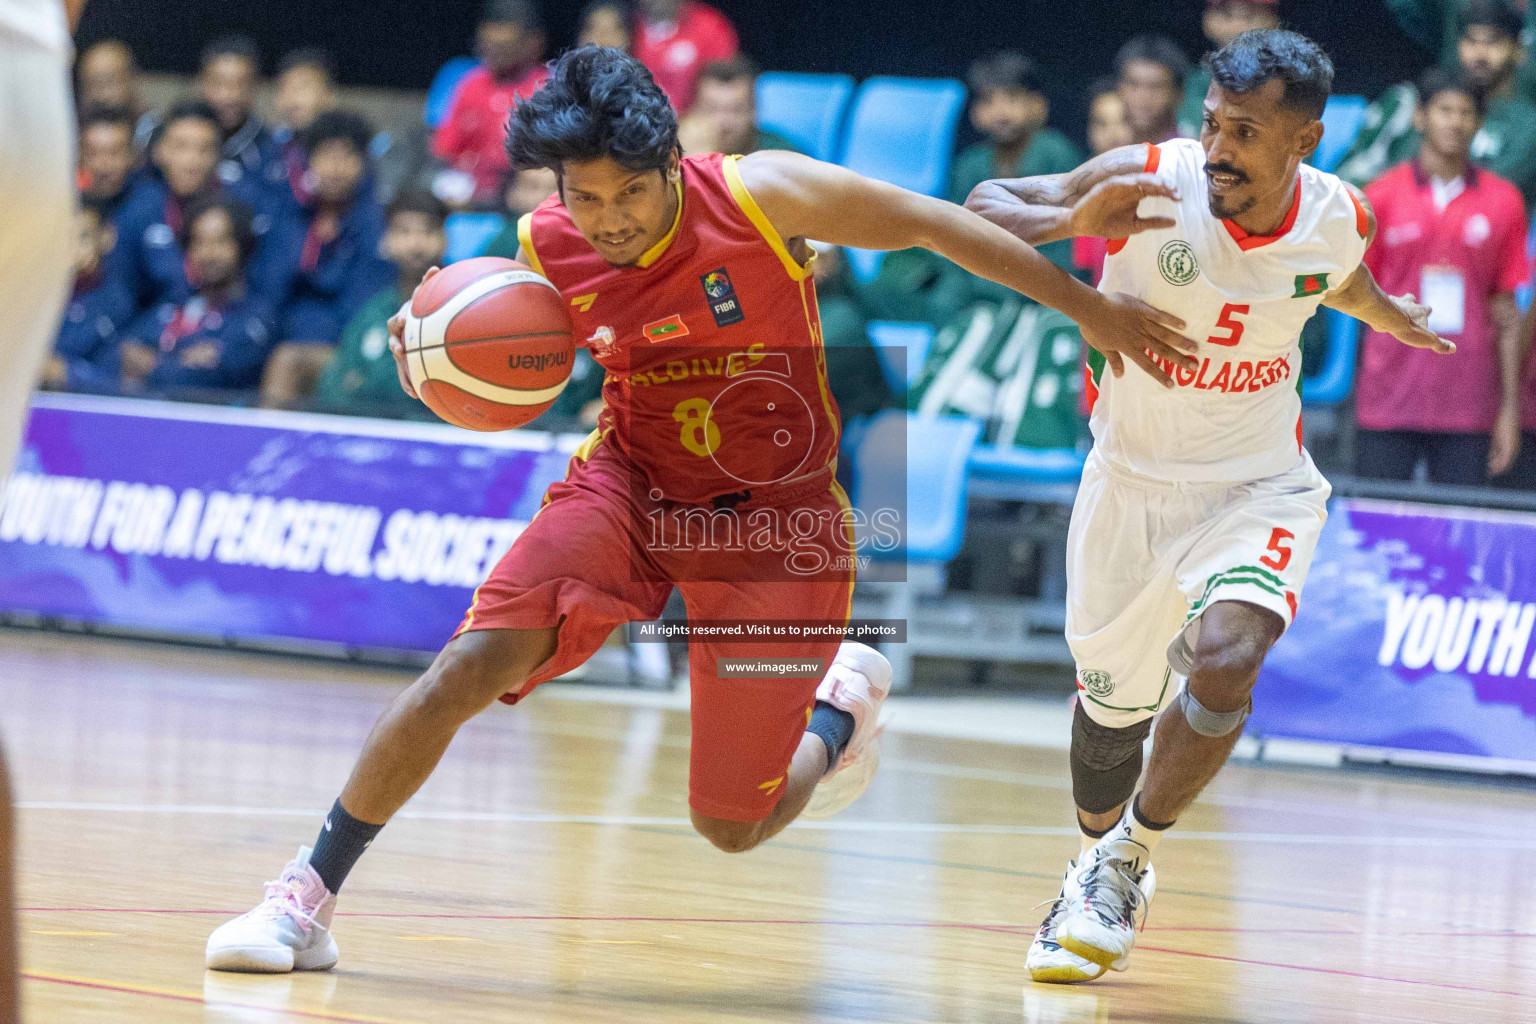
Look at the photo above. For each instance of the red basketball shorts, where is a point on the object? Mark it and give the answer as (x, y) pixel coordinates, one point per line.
(594, 557)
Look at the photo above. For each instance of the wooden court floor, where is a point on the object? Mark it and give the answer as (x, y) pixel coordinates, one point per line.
(546, 874)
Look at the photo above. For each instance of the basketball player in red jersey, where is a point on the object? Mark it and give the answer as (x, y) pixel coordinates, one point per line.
(712, 469)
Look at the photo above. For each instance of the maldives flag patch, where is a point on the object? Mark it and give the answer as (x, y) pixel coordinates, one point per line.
(1310, 284)
(665, 330)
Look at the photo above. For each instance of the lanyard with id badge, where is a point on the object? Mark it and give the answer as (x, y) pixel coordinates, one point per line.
(1444, 291)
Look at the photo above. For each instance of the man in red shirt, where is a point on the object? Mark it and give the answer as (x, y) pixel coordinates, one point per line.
(1454, 235)
(691, 279)
(676, 39)
(472, 138)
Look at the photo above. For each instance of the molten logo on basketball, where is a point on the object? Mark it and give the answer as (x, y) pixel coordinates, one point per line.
(537, 362)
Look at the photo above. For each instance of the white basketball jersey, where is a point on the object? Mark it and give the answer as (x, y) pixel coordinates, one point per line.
(1244, 299)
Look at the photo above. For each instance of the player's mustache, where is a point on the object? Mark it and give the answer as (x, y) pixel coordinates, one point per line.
(1225, 169)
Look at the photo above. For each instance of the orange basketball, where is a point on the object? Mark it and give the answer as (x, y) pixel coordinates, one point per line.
(488, 344)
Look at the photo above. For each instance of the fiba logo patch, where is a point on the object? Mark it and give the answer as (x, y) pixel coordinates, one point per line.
(1097, 683)
(723, 303)
(1176, 260)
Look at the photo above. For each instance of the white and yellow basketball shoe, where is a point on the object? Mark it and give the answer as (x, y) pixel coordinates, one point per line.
(1108, 899)
(1049, 961)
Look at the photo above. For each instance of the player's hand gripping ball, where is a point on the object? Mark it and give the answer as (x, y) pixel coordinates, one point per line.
(487, 343)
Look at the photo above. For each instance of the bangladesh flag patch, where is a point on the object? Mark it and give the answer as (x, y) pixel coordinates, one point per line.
(665, 330)
(1310, 284)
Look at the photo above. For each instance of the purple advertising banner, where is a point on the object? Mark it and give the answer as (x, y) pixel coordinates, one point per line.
(1415, 633)
(262, 526)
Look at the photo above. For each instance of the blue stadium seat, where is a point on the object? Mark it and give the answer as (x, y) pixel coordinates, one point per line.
(1341, 123)
(901, 348)
(440, 92)
(917, 465)
(864, 264)
(1336, 378)
(902, 130)
(470, 233)
(806, 109)
(1028, 465)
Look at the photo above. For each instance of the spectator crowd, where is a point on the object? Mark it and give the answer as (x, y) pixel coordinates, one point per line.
(224, 255)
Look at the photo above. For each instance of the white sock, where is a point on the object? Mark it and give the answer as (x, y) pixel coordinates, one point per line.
(1133, 828)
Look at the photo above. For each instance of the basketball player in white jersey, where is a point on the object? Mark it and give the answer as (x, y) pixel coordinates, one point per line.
(37, 131)
(1199, 509)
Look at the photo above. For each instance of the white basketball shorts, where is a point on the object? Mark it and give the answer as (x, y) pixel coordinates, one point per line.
(37, 237)
(1146, 558)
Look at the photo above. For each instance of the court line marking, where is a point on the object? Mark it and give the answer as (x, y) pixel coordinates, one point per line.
(1017, 929)
(282, 1012)
(1261, 901)
(95, 983)
(914, 827)
(1332, 970)
(55, 931)
(1061, 783)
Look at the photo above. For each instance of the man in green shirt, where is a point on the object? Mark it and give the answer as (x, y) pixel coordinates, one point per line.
(723, 118)
(1224, 21)
(1436, 25)
(1488, 53)
(521, 192)
(1009, 108)
(361, 378)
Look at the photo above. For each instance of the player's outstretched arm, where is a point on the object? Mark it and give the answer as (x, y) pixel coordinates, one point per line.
(1098, 199)
(805, 198)
(1401, 316)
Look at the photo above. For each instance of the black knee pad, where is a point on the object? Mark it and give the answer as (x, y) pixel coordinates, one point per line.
(1105, 762)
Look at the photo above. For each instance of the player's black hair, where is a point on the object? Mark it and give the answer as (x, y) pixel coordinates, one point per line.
(1494, 14)
(185, 110)
(339, 126)
(598, 102)
(231, 46)
(309, 57)
(417, 200)
(240, 218)
(115, 116)
(1005, 70)
(1155, 50)
(1255, 57)
(512, 12)
(1438, 80)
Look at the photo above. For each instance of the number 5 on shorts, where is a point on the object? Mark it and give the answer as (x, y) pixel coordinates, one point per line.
(1280, 550)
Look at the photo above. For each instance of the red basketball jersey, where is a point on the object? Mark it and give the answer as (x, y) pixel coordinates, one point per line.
(716, 382)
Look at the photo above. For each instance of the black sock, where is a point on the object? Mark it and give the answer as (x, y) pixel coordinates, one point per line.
(1091, 833)
(834, 726)
(1144, 821)
(342, 841)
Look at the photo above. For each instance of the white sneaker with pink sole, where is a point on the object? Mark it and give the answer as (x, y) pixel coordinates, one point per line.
(289, 931)
(857, 682)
